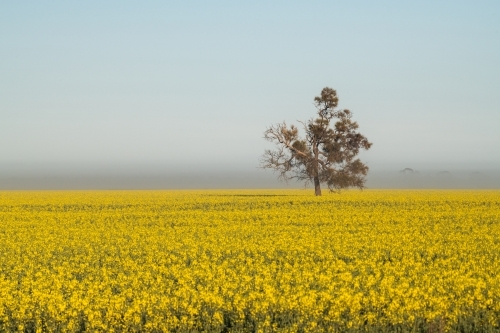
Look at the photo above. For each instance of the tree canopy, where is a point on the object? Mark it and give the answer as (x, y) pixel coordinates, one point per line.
(326, 154)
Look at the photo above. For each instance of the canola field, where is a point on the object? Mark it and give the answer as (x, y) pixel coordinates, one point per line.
(250, 261)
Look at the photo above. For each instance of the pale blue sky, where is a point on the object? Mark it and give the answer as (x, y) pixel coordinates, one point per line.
(179, 85)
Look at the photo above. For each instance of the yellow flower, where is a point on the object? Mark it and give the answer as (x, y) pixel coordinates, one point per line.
(263, 260)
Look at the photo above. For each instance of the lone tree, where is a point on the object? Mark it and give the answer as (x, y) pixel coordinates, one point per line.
(326, 155)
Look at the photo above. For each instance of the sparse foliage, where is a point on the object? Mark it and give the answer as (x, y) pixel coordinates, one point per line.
(326, 154)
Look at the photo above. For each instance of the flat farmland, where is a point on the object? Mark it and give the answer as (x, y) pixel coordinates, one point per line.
(250, 261)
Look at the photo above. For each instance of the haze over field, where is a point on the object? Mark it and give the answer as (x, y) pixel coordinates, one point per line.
(178, 94)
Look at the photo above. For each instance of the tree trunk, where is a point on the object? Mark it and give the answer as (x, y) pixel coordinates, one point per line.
(317, 187)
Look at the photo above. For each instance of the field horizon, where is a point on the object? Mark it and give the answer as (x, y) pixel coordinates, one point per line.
(226, 179)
